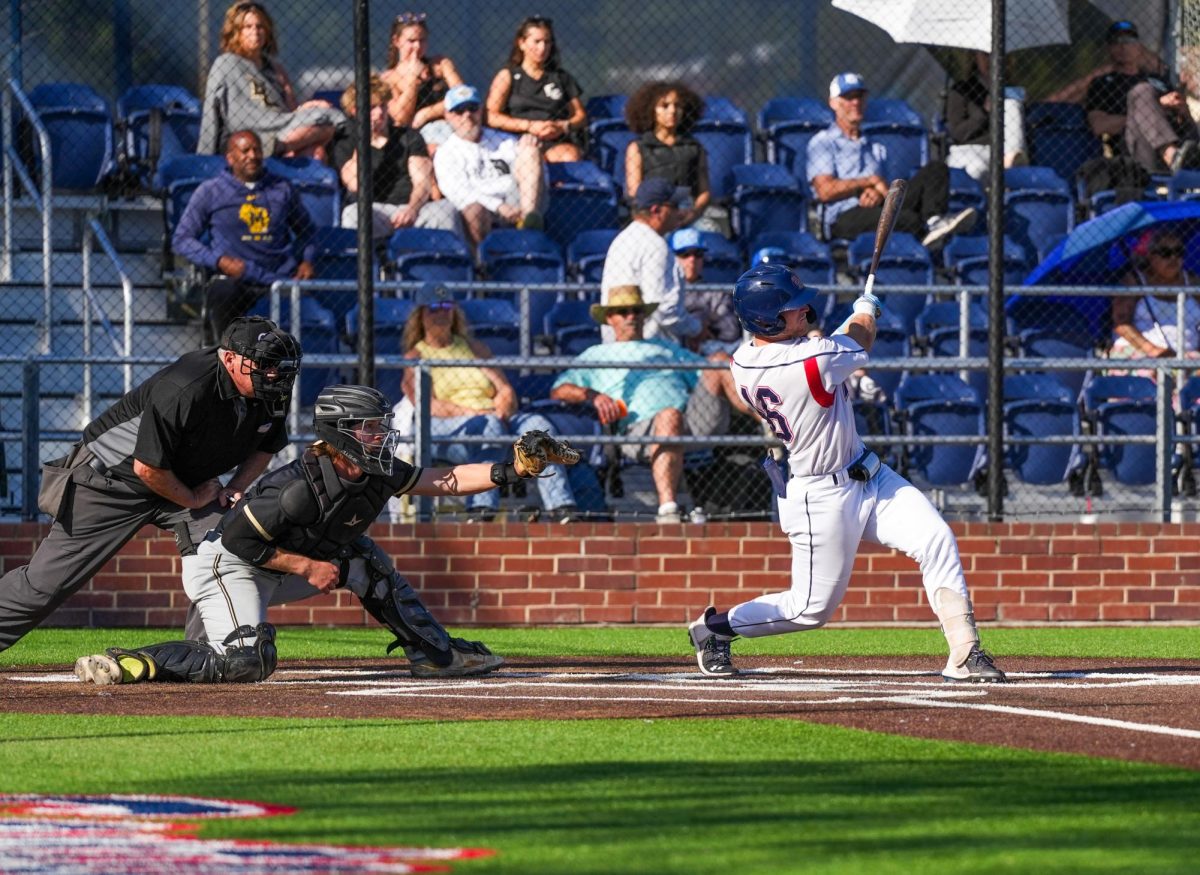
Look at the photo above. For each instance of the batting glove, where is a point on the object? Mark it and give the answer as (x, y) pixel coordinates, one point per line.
(869, 305)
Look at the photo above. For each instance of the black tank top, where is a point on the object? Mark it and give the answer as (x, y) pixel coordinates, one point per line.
(545, 99)
(431, 90)
(679, 164)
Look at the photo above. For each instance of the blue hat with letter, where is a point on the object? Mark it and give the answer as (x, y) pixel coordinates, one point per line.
(846, 83)
(688, 240)
(461, 95)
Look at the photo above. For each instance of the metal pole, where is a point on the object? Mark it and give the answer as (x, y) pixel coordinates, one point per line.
(366, 245)
(995, 380)
(1164, 486)
(202, 16)
(15, 28)
(422, 435)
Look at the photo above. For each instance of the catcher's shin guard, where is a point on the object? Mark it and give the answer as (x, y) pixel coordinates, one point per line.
(198, 663)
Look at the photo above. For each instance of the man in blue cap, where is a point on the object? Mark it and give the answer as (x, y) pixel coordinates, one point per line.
(719, 329)
(490, 177)
(639, 256)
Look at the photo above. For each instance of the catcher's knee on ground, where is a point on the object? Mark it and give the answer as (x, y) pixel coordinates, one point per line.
(249, 657)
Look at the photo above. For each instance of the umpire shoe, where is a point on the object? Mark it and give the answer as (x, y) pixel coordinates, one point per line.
(713, 653)
(978, 668)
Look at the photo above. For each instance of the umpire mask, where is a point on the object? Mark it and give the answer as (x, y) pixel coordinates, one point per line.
(270, 356)
(357, 422)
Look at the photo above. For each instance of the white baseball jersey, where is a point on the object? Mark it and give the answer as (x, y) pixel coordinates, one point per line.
(799, 388)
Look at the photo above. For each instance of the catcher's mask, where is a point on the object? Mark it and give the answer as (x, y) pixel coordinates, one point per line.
(270, 356)
(357, 422)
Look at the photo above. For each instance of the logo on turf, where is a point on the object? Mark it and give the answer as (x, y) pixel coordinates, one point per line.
(86, 834)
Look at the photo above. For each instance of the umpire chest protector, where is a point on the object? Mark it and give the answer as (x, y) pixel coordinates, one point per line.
(345, 509)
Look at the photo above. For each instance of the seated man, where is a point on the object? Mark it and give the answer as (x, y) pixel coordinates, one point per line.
(403, 172)
(719, 329)
(489, 176)
(254, 223)
(846, 172)
(661, 403)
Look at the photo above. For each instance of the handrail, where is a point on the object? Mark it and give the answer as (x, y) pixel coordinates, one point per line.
(45, 206)
(122, 346)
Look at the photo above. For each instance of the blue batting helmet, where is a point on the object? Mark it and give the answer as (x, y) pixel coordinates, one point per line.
(764, 293)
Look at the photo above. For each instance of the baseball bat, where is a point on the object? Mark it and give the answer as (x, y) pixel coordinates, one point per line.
(887, 220)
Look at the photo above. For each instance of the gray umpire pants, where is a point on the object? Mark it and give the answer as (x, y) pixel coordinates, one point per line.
(104, 515)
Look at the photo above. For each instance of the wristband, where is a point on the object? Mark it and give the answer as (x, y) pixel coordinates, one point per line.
(505, 474)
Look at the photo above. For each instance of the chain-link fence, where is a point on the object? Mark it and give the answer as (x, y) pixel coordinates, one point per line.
(507, 156)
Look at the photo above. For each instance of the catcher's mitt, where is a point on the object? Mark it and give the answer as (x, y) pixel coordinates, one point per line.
(537, 449)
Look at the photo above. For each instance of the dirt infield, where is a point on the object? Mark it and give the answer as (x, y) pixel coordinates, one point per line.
(1143, 709)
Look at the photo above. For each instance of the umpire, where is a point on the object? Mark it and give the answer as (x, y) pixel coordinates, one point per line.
(154, 458)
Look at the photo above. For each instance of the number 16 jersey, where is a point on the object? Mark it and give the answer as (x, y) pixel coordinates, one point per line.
(799, 388)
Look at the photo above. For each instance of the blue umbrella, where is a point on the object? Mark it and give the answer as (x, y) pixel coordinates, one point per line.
(1097, 252)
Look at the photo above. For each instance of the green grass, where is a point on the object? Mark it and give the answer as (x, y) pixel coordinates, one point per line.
(653, 796)
(49, 646)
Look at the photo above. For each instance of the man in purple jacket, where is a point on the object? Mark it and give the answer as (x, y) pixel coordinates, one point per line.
(245, 225)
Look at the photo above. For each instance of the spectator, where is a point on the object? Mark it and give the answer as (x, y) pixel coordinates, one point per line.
(490, 177)
(419, 82)
(719, 329)
(1146, 325)
(968, 120)
(533, 94)
(660, 403)
(663, 114)
(639, 256)
(474, 401)
(247, 225)
(403, 173)
(846, 168)
(248, 89)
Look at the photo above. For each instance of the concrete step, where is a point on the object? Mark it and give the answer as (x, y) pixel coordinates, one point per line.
(23, 302)
(66, 268)
(132, 225)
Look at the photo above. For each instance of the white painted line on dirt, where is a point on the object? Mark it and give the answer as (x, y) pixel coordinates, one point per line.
(585, 699)
(1152, 728)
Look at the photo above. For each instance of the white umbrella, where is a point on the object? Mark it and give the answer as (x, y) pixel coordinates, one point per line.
(965, 24)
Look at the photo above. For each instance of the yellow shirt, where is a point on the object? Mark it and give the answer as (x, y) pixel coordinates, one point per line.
(466, 387)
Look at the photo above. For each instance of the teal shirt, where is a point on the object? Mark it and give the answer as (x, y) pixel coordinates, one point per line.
(645, 392)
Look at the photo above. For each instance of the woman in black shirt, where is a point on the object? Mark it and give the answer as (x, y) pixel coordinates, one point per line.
(419, 82)
(663, 114)
(534, 94)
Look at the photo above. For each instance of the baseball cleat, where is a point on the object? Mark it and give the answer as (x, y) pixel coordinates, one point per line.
(978, 668)
(461, 666)
(713, 653)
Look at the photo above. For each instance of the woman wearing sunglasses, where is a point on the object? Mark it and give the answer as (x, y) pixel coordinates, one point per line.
(419, 81)
(249, 89)
(533, 94)
(1145, 324)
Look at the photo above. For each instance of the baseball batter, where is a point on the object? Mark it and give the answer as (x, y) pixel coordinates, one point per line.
(299, 531)
(832, 491)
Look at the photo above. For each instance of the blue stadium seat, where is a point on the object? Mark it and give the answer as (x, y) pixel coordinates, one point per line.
(895, 124)
(1059, 137)
(967, 260)
(940, 404)
(526, 257)
(318, 185)
(489, 311)
(1123, 405)
(80, 126)
(1184, 185)
(800, 250)
(178, 112)
(568, 313)
(390, 316)
(429, 254)
(582, 197)
(766, 197)
(609, 139)
(723, 261)
(601, 107)
(1047, 414)
(786, 125)
(1037, 206)
(318, 334)
(966, 192)
(1058, 343)
(724, 131)
(178, 176)
(336, 258)
(586, 254)
(875, 418)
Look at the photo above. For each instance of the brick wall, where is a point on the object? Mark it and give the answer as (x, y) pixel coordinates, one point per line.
(626, 573)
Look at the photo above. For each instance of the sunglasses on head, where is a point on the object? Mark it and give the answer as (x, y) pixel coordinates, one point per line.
(1168, 251)
(539, 20)
(246, 7)
(410, 18)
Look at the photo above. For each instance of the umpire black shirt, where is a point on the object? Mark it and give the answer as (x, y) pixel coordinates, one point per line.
(188, 418)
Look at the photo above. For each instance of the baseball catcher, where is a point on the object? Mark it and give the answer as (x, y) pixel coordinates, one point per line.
(299, 532)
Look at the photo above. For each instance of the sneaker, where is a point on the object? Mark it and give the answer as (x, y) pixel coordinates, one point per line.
(978, 668)
(532, 222)
(114, 667)
(1186, 156)
(713, 653)
(568, 513)
(941, 227)
(668, 513)
(463, 665)
(698, 516)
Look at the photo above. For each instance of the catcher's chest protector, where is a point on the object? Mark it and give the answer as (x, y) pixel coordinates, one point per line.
(346, 509)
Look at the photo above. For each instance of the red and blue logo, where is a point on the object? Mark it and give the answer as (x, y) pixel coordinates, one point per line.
(108, 835)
